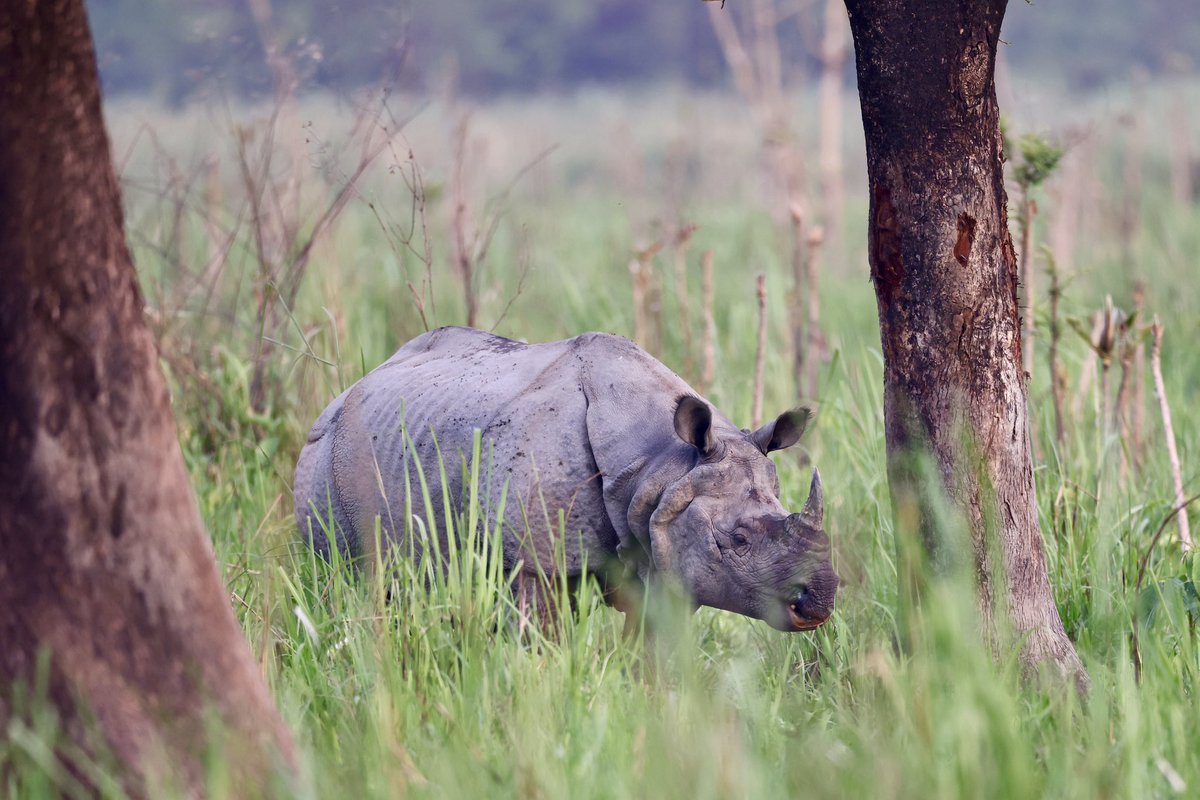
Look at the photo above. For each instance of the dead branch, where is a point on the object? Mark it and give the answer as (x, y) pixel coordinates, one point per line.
(815, 343)
(1025, 267)
(683, 238)
(464, 261)
(644, 297)
(1160, 391)
(709, 372)
(283, 253)
(1057, 376)
(754, 61)
(470, 251)
(1139, 380)
(795, 301)
(835, 41)
(760, 352)
(1120, 417)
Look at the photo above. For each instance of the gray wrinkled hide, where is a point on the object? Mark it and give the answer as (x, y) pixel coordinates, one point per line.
(584, 425)
(542, 408)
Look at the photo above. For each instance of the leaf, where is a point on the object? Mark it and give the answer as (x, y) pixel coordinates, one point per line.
(1039, 158)
(1155, 596)
(1191, 599)
(1085, 333)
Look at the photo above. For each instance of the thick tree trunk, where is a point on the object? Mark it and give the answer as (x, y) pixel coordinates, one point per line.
(105, 566)
(945, 279)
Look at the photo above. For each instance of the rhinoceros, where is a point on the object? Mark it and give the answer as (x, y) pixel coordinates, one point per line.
(606, 457)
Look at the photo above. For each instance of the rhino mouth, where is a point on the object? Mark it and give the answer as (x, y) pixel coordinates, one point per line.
(802, 612)
(799, 622)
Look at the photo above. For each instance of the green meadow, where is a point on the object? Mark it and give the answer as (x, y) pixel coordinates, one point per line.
(398, 683)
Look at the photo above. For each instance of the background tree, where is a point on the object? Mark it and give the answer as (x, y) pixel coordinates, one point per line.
(945, 279)
(105, 566)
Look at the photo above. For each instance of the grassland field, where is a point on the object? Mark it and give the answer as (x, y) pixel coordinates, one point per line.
(438, 693)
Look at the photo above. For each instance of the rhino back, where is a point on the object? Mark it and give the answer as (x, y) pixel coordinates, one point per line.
(426, 401)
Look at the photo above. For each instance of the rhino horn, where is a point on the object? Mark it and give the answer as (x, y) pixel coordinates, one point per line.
(814, 508)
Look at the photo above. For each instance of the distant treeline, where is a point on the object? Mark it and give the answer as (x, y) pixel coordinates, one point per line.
(174, 48)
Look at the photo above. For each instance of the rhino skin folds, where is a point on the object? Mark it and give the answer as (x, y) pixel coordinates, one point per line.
(647, 474)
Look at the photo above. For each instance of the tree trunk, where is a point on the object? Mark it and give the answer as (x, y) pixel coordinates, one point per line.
(945, 279)
(105, 566)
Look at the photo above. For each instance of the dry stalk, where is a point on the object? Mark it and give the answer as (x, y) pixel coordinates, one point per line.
(1110, 327)
(816, 338)
(464, 261)
(216, 241)
(1139, 382)
(795, 301)
(760, 352)
(1028, 214)
(1106, 345)
(736, 56)
(709, 372)
(1182, 187)
(1089, 369)
(683, 238)
(283, 252)
(1120, 417)
(1160, 391)
(411, 238)
(654, 309)
(835, 41)
(646, 300)
(755, 62)
(471, 249)
(286, 192)
(641, 315)
(1133, 173)
(1057, 375)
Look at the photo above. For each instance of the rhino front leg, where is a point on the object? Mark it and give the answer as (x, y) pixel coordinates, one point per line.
(628, 598)
(537, 601)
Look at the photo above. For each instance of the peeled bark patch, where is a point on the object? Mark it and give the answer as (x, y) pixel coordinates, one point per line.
(966, 238)
(887, 264)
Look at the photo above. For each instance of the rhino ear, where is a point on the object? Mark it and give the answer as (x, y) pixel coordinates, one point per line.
(693, 423)
(784, 431)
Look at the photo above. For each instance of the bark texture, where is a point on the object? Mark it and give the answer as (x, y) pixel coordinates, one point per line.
(105, 565)
(945, 279)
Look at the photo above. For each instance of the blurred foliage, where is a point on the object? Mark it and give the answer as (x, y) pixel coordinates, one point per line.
(175, 48)
(1039, 157)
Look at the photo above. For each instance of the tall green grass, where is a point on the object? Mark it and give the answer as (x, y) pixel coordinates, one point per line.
(403, 679)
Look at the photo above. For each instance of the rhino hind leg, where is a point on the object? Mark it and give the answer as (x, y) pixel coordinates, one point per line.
(541, 602)
(318, 509)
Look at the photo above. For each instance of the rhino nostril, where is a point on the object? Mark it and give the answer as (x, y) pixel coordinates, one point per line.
(810, 603)
(801, 597)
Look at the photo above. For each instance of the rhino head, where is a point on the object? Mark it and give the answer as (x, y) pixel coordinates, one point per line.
(722, 532)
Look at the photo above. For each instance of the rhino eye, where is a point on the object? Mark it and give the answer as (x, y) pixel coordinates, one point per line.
(739, 539)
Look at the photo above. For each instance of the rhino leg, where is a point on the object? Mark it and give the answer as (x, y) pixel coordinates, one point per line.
(318, 509)
(537, 603)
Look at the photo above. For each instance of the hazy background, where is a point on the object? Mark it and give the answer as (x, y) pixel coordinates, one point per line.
(173, 49)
